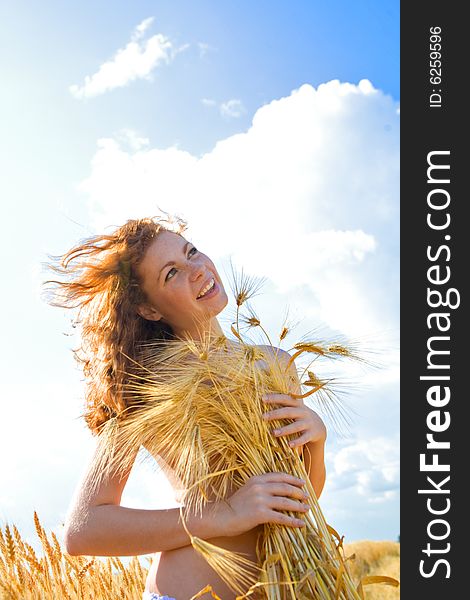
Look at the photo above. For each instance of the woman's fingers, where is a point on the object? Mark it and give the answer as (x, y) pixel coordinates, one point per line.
(286, 498)
(288, 412)
(279, 476)
(289, 429)
(266, 498)
(284, 489)
(300, 441)
(283, 519)
(283, 503)
(276, 398)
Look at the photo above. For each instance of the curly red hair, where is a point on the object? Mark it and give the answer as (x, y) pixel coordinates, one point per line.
(101, 280)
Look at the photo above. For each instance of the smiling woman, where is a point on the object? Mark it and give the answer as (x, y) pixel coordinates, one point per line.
(185, 292)
(225, 419)
(146, 282)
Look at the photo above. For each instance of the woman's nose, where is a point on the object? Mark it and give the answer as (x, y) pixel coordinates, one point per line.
(198, 270)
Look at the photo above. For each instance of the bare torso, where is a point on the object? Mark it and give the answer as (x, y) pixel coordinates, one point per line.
(182, 572)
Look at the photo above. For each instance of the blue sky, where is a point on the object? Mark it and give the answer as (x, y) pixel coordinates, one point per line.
(239, 79)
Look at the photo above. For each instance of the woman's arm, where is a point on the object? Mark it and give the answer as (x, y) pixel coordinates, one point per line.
(98, 526)
(313, 452)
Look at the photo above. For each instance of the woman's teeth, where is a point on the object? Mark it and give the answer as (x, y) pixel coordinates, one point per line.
(208, 287)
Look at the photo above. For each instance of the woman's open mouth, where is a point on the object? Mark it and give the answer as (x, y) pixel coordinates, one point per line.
(208, 290)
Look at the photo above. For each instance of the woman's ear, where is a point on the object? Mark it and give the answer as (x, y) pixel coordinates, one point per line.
(148, 312)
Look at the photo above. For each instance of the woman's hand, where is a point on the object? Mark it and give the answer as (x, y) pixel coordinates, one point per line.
(260, 500)
(306, 421)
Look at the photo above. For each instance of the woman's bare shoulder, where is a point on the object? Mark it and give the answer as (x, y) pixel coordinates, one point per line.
(274, 351)
(285, 359)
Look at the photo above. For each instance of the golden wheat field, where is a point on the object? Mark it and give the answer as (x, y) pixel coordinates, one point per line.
(56, 575)
(376, 558)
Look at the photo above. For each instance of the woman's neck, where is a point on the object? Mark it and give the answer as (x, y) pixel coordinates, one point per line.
(200, 332)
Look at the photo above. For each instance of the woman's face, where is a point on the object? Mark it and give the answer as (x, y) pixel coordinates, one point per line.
(182, 285)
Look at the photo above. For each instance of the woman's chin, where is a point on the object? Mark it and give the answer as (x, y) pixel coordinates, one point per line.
(213, 309)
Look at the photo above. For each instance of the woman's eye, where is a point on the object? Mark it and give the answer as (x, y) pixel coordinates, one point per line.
(170, 273)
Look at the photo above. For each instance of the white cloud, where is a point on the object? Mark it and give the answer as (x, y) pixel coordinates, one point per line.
(136, 60)
(307, 196)
(371, 466)
(204, 48)
(362, 487)
(232, 108)
(130, 137)
(208, 102)
(179, 49)
(140, 30)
